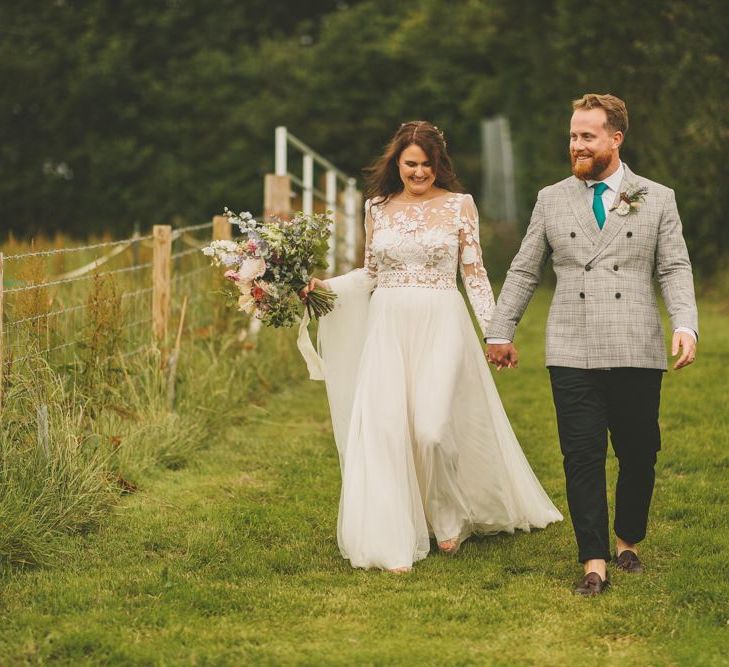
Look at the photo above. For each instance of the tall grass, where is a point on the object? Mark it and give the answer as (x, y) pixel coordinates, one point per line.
(103, 443)
(50, 481)
(79, 431)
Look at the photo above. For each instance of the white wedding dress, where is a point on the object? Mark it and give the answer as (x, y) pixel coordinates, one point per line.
(424, 443)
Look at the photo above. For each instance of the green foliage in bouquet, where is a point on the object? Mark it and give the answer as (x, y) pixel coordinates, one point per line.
(272, 262)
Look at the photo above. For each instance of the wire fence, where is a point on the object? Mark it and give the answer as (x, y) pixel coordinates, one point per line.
(71, 305)
(57, 304)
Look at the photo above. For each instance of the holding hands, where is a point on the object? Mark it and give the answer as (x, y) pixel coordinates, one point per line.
(506, 355)
(502, 355)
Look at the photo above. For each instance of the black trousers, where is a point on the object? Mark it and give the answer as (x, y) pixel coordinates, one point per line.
(589, 403)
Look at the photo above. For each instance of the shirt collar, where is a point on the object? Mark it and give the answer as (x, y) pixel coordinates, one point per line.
(613, 181)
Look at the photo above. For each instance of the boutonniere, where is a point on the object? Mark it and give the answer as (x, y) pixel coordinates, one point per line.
(630, 199)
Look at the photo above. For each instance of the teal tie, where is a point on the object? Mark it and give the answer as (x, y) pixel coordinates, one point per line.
(597, 206)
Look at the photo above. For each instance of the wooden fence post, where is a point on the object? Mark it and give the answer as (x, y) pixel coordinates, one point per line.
(161, 285)
(221, 228)
(2, 355)
(222, 231)
(277, 196)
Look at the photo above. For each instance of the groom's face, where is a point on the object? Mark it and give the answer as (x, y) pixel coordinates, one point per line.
(593, 146)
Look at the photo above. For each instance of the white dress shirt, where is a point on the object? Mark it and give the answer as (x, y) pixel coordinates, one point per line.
(611, 191)
(608, 199)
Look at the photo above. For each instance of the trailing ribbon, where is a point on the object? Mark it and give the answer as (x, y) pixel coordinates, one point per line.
(314, 363)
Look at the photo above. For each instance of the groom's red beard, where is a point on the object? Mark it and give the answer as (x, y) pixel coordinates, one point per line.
(589, 170)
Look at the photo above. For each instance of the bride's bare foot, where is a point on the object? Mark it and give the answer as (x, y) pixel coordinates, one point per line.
(399, 570)
(449, 546)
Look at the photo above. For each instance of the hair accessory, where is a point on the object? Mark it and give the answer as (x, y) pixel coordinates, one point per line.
(441, 135)
(419, 123)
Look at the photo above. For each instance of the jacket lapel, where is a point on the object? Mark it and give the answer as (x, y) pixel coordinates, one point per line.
(613, 222)
(581, 209)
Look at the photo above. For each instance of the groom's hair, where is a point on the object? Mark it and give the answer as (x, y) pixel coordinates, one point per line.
(617, 114)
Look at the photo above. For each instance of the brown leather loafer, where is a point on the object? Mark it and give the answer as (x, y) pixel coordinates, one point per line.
(628, 561)
(592, 584)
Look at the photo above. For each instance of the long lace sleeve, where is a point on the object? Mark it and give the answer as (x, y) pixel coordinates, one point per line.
(370, 261)
(359, 276)
(473, 273)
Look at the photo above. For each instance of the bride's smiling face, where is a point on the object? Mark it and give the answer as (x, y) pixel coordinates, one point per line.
(416, 171)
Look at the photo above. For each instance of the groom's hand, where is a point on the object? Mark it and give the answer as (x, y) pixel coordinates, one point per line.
(502, 355)
(687, 344)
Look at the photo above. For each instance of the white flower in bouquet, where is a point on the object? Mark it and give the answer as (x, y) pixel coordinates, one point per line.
(224, 253)
(246, 302)
(250, 269)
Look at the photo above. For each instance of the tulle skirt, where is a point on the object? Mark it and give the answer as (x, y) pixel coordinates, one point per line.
(425, 446)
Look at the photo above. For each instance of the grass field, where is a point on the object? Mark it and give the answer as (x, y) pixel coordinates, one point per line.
(233, 558)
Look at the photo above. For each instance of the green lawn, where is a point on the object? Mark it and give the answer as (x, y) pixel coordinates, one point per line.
(233, 559)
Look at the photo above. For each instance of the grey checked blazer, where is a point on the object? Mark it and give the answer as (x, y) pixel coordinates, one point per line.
(604, 312)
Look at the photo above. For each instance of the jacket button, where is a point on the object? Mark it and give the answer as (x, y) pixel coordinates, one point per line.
(629, 234)
(588, 268)
(582, 295)
(615, 268)
(617, 295)
(572, 235)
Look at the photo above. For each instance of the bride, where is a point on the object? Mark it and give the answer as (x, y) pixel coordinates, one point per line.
(424, 443)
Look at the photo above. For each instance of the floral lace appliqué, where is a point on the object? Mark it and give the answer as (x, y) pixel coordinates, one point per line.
(424, 244)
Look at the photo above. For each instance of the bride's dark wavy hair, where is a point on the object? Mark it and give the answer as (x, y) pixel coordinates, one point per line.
(383, 175)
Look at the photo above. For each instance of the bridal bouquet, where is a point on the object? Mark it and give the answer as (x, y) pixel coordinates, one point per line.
(272, 262)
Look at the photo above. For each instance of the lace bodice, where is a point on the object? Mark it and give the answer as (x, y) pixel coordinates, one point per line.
(420, 244)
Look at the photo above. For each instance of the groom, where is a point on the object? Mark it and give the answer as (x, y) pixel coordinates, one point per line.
(609, 231)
